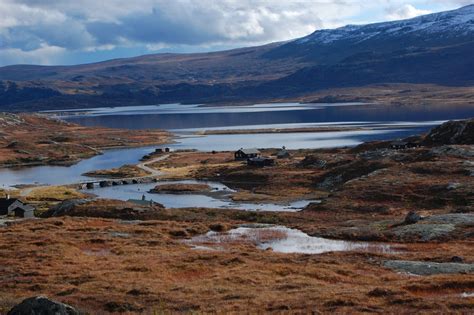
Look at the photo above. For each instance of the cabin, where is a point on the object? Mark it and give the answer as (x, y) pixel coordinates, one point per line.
(142, 202)
(245, 154)
(15, 207)
(260, 161)
(400, 145)
(283, 154)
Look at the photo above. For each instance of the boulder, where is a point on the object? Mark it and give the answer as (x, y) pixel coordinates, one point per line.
(105, 183)
(457, 259)
(411, 218)
(40, 305)
(63, 208)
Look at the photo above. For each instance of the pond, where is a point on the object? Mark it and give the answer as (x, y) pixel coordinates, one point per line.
(282, 240)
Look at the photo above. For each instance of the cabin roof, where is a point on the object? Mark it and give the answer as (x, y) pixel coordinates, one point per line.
(250, 151)
(5, 203)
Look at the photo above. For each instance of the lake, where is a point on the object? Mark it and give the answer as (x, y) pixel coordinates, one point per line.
(379, 123)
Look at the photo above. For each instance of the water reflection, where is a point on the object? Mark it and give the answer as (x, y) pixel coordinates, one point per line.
(175, 116)
(282, 240)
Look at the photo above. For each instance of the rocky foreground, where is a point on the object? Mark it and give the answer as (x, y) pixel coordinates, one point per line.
(106, 256)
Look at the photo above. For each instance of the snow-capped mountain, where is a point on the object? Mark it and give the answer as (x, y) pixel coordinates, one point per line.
(456, 23)
(431, 49)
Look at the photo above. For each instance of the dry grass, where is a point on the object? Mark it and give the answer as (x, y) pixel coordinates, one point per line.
(53, 193)
(103, 266)
(120, 172)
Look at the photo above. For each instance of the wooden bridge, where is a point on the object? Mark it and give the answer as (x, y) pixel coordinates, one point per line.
(152, 178)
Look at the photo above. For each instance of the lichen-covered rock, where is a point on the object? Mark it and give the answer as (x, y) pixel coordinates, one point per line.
(423, 232)
(428, 268)
(451, 218)
(40, 305)
(453, 150)
(63, 208)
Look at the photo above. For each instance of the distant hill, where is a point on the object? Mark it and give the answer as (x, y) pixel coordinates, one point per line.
(433, 49)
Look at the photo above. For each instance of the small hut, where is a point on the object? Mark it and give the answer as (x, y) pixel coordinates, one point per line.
(15, 207)
(244, 154)
(283, 154)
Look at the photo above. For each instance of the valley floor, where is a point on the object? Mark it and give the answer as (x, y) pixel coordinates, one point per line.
(110, 256)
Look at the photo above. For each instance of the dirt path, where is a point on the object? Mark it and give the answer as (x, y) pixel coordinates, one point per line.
(150, 170)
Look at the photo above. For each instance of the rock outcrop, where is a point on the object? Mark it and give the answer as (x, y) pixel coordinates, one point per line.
(452, 132)
(426, 268)
(40, 305)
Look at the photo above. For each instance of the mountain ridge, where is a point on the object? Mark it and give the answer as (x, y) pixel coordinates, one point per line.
(430, 49)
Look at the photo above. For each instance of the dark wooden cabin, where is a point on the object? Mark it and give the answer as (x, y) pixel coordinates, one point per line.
(15, 207)
(244, 154)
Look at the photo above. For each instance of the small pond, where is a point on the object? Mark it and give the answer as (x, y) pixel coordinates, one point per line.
(282, 240)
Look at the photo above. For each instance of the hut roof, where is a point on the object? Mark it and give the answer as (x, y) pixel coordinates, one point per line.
(250, 151)
(5, 203)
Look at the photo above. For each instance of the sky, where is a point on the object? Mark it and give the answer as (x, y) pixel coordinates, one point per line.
(53, 32)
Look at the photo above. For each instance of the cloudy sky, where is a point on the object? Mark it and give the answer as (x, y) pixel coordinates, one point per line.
(80, 31)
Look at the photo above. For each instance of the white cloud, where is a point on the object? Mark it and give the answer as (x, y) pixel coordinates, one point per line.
(45, 55)
(31, 26)
(406, 11)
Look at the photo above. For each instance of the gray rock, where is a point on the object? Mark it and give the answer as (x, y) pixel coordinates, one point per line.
(452, 150)
(451, 218)
(457, 259)
(424, 232)
(452, 132)
(424, 268)
(412, 218)
(105, 183)
(453, 186)
(63, 208)
(41, 305)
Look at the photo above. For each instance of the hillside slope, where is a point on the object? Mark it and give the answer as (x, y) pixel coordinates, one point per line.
(431, 49)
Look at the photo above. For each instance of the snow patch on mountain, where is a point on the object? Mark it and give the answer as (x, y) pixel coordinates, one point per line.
(456, 23)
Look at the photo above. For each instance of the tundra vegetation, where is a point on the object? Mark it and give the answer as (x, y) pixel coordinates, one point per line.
(111, 256)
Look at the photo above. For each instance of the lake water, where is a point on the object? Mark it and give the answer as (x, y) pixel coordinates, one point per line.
(59, 175)
(176, 116)
(380, 122)
(218, 198)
